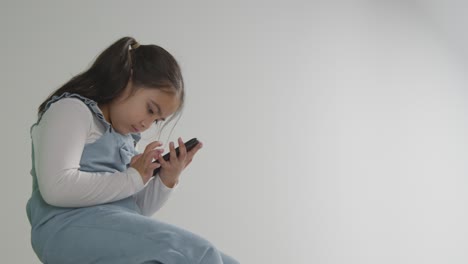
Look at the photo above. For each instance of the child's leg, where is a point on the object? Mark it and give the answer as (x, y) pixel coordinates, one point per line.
(116, 236)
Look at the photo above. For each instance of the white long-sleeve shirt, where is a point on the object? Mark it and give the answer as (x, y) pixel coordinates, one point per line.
(59, 140)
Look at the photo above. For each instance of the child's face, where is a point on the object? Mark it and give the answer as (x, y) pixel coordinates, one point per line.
(133, 113)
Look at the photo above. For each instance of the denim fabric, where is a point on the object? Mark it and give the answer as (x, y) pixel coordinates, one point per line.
(114, 232)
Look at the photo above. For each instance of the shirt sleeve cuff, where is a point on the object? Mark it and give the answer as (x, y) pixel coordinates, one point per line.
(162, 187)
(135, 178)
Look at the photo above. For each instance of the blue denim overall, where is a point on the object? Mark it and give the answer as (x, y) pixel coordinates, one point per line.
(115, 232)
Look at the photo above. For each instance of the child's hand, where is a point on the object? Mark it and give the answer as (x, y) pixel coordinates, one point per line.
(171, 170)
(143, 162)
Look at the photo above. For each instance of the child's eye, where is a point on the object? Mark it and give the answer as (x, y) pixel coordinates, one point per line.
(150, 111)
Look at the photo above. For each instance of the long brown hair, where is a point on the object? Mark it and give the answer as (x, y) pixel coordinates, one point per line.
(106, 79)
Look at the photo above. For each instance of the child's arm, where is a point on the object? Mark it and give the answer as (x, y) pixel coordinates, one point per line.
(59, 139)
(153, 196)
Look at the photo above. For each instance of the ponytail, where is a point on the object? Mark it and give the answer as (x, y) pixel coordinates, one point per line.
(106, 78)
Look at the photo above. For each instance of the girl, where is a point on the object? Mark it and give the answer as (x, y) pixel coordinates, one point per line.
(93, 194)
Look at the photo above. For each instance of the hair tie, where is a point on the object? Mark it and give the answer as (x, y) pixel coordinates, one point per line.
(134, 45)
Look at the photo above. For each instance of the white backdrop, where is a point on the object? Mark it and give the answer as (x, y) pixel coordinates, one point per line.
(334, 131)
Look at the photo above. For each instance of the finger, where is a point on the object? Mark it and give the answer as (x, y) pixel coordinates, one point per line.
(153, 154)
(197, 147)
(172, 151)
(153, 145)
(162, 161)
(192, 152)
(182, 149)
(188, 162)
(160, 151)
(154, 166)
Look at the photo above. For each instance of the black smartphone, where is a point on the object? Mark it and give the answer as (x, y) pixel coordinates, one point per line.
(189, 145)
